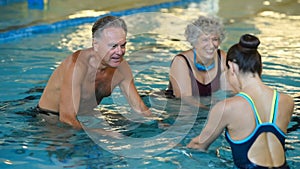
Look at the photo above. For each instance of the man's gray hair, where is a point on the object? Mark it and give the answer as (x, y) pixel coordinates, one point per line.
(107, 22)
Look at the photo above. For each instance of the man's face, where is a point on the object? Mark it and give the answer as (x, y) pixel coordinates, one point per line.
(111, 46)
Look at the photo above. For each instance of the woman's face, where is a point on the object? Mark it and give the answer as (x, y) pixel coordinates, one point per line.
(207, 45)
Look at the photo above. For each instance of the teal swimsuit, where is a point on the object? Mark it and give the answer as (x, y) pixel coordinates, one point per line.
(240, 148)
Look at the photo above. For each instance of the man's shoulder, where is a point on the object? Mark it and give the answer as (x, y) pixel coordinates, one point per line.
(124, 64)
(80, 56)
(75, 59)
(76, 55)
(124, 69)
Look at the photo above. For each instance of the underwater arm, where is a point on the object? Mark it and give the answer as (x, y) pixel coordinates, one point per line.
(193, 101)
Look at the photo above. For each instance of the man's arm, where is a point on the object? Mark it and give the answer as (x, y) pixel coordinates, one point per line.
(215, 125)
(129, 90)
(70, 93)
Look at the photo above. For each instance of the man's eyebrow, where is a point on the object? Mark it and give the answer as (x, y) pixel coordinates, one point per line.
(114, 44)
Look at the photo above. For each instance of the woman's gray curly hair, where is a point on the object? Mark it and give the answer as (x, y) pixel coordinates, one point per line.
(204, 25)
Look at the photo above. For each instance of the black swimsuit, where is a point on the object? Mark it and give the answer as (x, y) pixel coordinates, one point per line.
(240, 148)
(45, 112)
(199, 89)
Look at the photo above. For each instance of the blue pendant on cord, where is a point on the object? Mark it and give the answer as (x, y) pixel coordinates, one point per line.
(202, 67)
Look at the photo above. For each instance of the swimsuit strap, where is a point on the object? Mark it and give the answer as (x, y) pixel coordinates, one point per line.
(187, 62)
(248, 98)
(274, 108)
(219, 56)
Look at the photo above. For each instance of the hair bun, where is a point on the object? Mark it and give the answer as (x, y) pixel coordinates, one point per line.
(249, 41)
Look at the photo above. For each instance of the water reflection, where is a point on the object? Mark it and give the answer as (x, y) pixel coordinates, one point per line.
(27, 63)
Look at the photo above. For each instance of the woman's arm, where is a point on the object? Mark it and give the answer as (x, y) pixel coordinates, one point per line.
(179, 76)
(214, 126)
(181, 82)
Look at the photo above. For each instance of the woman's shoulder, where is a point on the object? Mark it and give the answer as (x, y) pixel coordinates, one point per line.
(232, 104)
(223, 55)
(222, 52)
(286, 101)
(286, 97)
(182, 57)
(229, 109)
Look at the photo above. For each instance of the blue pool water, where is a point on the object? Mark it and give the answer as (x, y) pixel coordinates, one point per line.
(154, 38)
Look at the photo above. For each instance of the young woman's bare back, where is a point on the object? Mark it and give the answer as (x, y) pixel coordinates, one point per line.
(266, 149)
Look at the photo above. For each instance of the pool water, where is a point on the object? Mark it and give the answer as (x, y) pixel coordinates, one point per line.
(153, 39)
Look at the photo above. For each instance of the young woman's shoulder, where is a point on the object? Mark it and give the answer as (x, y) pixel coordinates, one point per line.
(228, 110)
(287, 102)
(286, 98)
(232, 105)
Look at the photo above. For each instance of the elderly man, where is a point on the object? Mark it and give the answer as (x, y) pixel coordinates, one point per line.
(84, 78)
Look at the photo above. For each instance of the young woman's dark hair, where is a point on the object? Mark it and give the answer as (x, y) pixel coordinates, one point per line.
(245, 55)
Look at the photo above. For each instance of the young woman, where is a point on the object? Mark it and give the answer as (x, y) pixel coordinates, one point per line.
(256, 119)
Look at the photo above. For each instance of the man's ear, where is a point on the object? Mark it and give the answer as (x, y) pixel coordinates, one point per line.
(95, 44)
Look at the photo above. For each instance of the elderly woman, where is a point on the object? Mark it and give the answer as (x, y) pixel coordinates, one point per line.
(256, 119)
(197, 71)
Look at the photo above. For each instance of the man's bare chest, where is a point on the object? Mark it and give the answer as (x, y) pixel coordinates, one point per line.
(99, 83)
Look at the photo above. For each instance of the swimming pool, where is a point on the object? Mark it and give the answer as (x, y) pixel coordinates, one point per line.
(154, 38)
